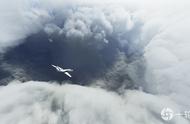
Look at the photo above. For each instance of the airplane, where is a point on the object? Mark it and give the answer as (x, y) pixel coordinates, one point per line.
(65, 71)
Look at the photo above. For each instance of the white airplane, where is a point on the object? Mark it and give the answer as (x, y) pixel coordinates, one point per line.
(66, 71)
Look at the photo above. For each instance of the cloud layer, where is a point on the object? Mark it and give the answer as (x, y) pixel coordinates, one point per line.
(39, 102)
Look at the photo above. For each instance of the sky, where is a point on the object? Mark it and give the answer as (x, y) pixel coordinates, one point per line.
(130, 60)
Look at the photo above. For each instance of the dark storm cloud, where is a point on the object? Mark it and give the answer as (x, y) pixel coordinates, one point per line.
(91, 45)
(37, 54)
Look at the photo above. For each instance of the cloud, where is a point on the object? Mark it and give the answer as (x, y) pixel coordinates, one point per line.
(167, 56)
(95, 23)
(19, 20)
(68, 34)
(40, 102)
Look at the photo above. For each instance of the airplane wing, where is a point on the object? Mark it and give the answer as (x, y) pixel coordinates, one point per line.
(67, 74)
(60, 69)
(54, 66)
(68, 69)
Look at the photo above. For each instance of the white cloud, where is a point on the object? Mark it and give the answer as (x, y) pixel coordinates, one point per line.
(39, 102)
(18, 20)
(167, 55)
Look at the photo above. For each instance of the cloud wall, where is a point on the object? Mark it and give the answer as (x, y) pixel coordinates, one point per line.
(39, 102)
